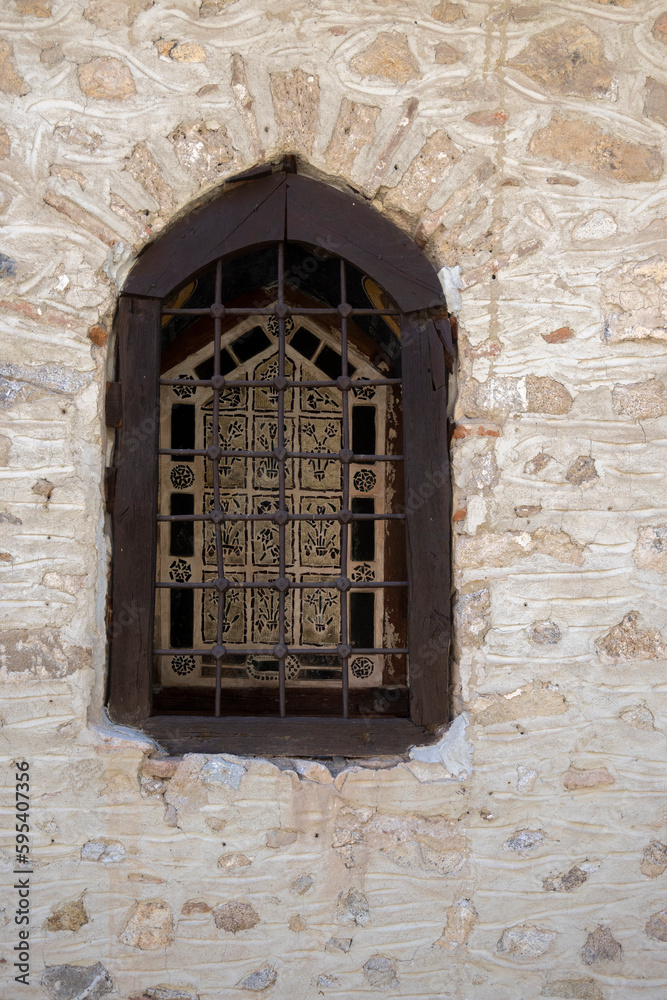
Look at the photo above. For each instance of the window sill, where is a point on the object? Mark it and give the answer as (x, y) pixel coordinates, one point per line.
(274, 737)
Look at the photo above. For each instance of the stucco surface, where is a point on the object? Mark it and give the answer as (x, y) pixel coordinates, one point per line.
(522, 145)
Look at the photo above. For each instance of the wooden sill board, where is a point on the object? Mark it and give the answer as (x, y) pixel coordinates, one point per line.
(310, 737)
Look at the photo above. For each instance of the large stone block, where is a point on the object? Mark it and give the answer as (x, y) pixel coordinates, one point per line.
(567, 59)
(388, 57)
(579, 142)
(106, 79)
(635, 301)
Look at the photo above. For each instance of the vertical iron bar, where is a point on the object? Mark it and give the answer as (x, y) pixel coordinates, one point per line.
(215, 435)
(281, 480)
(344, 637)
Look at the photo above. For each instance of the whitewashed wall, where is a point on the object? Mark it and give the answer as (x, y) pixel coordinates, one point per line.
(523, 146)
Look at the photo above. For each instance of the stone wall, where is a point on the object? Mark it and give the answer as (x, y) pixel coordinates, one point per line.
(522, 145)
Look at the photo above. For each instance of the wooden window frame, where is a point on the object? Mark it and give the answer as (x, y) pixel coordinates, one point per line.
(253, 212)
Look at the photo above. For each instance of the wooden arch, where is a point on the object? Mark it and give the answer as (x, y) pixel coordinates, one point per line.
(277, 207)
(296, 209)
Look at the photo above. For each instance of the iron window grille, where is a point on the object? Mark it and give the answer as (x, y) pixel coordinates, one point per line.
(425, 511)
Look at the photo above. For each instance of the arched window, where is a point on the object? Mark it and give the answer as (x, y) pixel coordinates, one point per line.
(280, 483)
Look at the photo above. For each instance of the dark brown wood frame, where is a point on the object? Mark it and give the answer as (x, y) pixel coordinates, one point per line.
(290, 207)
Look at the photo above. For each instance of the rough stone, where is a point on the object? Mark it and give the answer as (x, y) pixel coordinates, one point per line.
(150, 926)
(202, 149)
(261, 980)
(558, 336)
(627, 641)
(160, 767)
(112, 16)
(380, 973)
(177, 51)
(567, 882)
(596, 226)
(537, 464)
(41, 652)
(651, 549)
(339, 944)
(302, 884)
(487, 119)
(493, 549)
(389, 57)
(545, 633)
(326, 981)
(525, 942)
(425, 174)
(296, 103)
(656, 926)
(34, 8)
(5, 448)
(639, 717)
(142, 165)
(447, 55)
(582, 472)
(580, 142)
(235, 916)
(76, 982)
(546, 395)
(230, 862)
(559, 545)
(353, 907)
(641, 400)
(423, 844)
(354, 129)
(311, 770)
(461, 918)
(600, 947)
(659, 30)
(654, 859)
(470, 623)
(655, 100)
(106, 79)
(222, 771)
(43, 488)
(68, 917)
(68, 174)
(11, 81)
(499, 396)
(195, 906)
(82, 218)
(5, 144)
(447, 12)
(567, 59)
(245, 103)
(297, 923)
(635, 301)
(525, 841)
(525, 779)
(528, 510)
(51, 56)
(209, 8)
(216, 823)
(574, 989)
(106, 851)
(484, 472)
(593, 777)
(280, 838)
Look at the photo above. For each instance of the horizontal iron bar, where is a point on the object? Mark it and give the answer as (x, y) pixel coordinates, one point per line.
(329, 456)
(315, 650)
(289, 383)
(271, 517)
(270, 311)
(270, 585)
